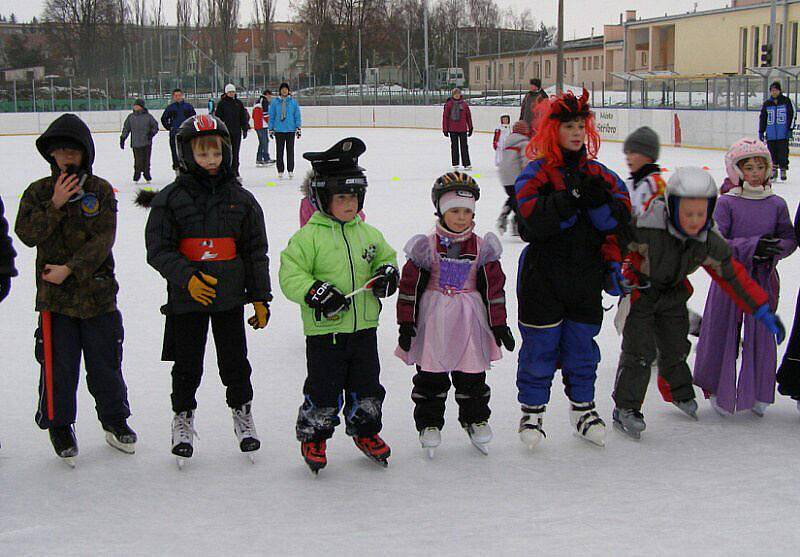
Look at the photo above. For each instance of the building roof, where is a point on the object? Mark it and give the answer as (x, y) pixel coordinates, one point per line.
(715, 11)
(575, 44)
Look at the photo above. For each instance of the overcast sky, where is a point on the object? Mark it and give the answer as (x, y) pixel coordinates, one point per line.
(580, 15)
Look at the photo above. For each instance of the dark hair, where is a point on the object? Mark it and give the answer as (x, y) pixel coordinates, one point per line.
(776, 85)
(284, 84)
(536, 81)
(266, 92)
(177, 90)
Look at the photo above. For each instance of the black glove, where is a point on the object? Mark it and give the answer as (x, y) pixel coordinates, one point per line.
(591, 192)
(298, 133)
(446, 134)
(326, 300)
(469, 132)
(244, 133)
(122, 144)
(386, 284)
(502, 336)
(271, 134)
(767, 248)
(407, 330)
(5, 286)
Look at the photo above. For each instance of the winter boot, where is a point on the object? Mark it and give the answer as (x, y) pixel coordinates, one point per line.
(183, 434)
(760, 408)
(430, 438)
(480, 434)
(147, 177)
(121, 437)
(291, 175)
(375, 449)
(587, 422)
(783, 174)
(314, 454)
(530, 425)
(64, 443)
(245, 428)
(688, 407)
(630, 422)
(468, 167)
(136, 176)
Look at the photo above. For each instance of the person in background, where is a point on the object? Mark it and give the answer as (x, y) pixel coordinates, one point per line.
(531, 99)
(776, 127)
(235, 117)
(284, 126)
(457, 125)
(261, 125)
(172, 118)
(142, 128)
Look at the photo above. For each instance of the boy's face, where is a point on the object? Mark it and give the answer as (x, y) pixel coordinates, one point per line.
(177, 96)
(458, 219)
(66, 157)
(754, 170)
(693, 214)
(344, 206)
(284, 92)
(775, 92)
(208, 159)
(636, 161)
(572, 134)
(137, 108)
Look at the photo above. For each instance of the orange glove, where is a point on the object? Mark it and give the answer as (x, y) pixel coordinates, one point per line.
(261, 317)
(201, 288)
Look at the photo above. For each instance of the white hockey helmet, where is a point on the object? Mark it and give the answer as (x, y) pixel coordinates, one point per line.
(690, 182)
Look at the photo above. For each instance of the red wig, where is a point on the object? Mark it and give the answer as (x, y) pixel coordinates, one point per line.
(550, 115)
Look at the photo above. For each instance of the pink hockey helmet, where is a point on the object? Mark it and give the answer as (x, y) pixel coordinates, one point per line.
(743, 149)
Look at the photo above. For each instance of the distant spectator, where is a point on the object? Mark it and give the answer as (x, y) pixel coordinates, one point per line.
(776, 126)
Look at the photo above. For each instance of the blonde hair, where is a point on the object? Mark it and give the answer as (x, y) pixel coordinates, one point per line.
(205, 143)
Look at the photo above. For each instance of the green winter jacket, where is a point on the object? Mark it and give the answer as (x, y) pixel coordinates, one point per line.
(343, 254)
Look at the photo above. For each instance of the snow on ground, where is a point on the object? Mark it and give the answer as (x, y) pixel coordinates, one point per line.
(714, 487)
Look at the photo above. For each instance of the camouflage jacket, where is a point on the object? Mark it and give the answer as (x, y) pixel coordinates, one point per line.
(79, 235)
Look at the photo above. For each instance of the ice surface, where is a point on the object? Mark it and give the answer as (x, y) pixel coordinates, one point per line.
(715, 486)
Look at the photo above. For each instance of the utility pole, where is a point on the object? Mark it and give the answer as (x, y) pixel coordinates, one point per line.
(360, 73)
(427, 63)
(772, 33)
(560, 54)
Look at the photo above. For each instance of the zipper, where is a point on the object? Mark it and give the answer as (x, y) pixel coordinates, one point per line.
(352, 278)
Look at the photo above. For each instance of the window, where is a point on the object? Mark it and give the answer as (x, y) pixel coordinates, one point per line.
(602, 62)
(537, 70)
(597, 62)
(547, 68)
(477, 73)
(488, 73)
(583, 64)
(521, 69)
(743, 57)
(793, 44)
(644, 58)
(511, 71)
(780, 54)
(756, 46)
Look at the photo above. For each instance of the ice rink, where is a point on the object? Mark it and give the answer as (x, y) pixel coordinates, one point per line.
(713, 487)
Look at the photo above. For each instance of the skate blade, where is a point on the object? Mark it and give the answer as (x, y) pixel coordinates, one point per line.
(593, 442)
(251, 457)
(481, 447)
(181, 461)
(635, 435)
(430, 452)
(69, 461)
(127, 448)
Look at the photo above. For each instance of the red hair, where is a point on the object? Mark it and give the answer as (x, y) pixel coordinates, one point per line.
(550, 115)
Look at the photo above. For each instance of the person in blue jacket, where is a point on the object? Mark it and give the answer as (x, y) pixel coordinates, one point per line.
(173, 117)
(284, 127)
(776, 126)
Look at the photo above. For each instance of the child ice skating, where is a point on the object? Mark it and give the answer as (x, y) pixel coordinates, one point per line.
(452, 315)
(756, 224)
(70, 217)
(671, 240)
(512, 163)
(501, 132)
(336, 268)
(206, 235)
(570, 206)
(142, 128)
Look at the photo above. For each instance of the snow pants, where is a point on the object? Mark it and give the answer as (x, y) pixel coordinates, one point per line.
(141, 162)
(99, 339)
(789, 371)
(343, 370)
(284, 141)
(459, 143)
(657, 325)
(185, 336)
(430, 393)
(779, 149)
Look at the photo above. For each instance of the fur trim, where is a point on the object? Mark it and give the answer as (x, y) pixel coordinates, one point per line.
(144, 197)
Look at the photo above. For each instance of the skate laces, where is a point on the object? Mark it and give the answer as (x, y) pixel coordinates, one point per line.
(243, 423)
(183, 428)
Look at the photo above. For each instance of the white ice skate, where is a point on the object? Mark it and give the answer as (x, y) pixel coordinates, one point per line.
(291, 175)
(245, 430)
(430, 438)
(530, 425)
(183, 433)
(280, 175)
(760, 408)
(587, 423)
(480, 434)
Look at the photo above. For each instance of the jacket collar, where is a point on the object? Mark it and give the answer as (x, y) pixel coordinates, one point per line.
(645, 171)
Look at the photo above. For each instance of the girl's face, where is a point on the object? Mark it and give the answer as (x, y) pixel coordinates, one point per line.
(692, 214)
(572, 135)
(344, 206)
(505, 120)
(458, 219)
(754, 170)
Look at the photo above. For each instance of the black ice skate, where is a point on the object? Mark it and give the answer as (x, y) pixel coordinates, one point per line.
(64, 443)
(630, 422)
(314, 454)
(183, 436)
(245, 430)
(121, 437)
(688, 407)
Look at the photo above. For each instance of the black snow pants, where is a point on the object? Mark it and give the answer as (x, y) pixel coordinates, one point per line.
(779, 150)
(458, 141)
(430, 393)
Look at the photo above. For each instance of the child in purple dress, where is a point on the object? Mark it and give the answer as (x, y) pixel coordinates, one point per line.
(756, 224)
(452, 315)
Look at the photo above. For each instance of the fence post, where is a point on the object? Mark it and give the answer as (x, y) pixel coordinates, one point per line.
(70, 95)
(124, 91)
(15, 95)
(108, 96)
(33, 93)
(52, 97)
(89, 92)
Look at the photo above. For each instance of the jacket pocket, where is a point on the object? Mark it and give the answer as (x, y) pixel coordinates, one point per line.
(372, 307)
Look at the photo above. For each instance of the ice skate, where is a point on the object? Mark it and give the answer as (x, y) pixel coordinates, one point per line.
(280, 175)
(717, 408)
(121, 437)
(468, 167)
(695, 322)
(245, 430)
(430, 438)
(314, 454)
(688, 407)
(774, 174)
(630, 422)
(783, 175)
(760, 408)
(530, 425)
(64, 443)
(183, 436)
(291, 175)
(480, 434)
(587, 423)
(374, 448)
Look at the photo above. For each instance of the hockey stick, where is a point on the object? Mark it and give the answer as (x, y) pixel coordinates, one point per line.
(367, 286)
(47, 340)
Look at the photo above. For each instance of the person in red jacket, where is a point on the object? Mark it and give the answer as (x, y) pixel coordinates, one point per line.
(261, 125)
(457, 125)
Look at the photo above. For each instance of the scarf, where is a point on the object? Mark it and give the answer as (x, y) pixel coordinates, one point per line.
(455, 110)
(284, 102)
(746, 191)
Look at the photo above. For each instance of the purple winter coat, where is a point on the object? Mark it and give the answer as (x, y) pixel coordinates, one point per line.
(742, 222)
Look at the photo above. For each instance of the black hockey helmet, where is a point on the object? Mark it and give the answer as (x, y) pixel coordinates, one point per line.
(336, 171)
(453, 181)
(198, 126)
